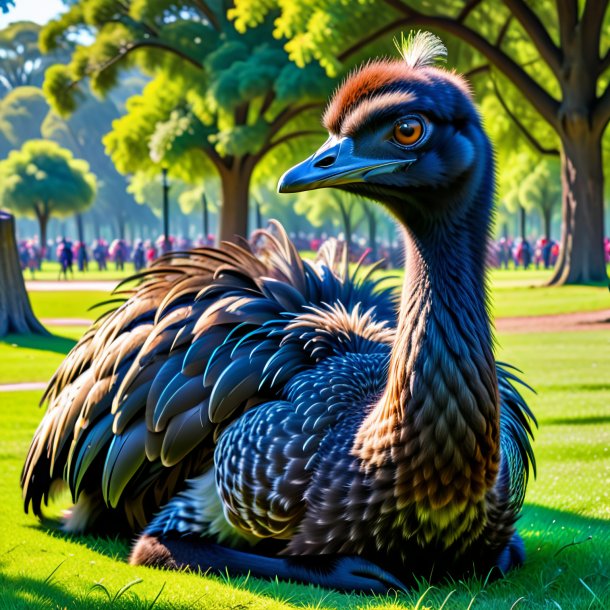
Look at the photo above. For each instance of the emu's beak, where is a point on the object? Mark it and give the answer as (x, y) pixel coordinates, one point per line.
(335, 164)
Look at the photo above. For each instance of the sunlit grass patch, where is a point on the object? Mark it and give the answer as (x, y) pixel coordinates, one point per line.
(565, 523)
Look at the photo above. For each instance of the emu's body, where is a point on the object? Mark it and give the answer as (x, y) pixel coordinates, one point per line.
(311, 417)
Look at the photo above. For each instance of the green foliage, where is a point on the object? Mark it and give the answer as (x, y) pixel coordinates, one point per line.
(542, 187)
(216, 95)
(43, 179)
(22, 63)
(331, 208)
(21, 113)
(58, 89)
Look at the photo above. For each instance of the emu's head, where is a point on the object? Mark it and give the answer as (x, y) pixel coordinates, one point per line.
(406, 133)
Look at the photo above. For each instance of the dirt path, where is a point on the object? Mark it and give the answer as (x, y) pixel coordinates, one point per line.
(67, 321)
(23, 387)
(581, 320)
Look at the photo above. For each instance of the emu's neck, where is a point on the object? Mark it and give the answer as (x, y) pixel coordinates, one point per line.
(437, 423)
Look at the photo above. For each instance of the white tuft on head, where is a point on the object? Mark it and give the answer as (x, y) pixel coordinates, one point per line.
(420, 49)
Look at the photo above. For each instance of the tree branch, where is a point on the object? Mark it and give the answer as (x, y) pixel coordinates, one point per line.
(267, 101)
(240, 114)
(363, 42)
(525, 132)
(537, 34)
(591, 23)
(290, 136)
(468, 8)
(567, 15)
(476, 71)
(209, 14)
(287, 115)
(540, 99)
(142, 44)
(503, 31)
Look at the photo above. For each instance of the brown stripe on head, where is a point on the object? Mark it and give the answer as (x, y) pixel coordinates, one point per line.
(362, 84)
(356, 117)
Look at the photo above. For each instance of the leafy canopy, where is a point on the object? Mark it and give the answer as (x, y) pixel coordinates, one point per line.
(43, 179)
(213, 90)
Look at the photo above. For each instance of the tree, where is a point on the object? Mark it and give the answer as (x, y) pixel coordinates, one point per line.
(217, 95)
(336, 208)
(552, 53)
(42, 179)
(204, 198)
(542, 187)
(22, 63)
(21, 114)
(82, 133)
(16, 315)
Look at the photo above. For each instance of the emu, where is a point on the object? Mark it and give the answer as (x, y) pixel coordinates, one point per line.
(251, 411)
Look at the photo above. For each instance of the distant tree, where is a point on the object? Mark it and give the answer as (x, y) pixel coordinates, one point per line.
(282, 207)
(542, 188)
(219, 103)
(204, 199)
(25, 115)
(42, 180)
(82, 133)
(21, 114)
(554, 54)
(342, 210)
(22, 63)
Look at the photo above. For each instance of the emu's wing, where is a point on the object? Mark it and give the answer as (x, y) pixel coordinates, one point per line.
(137, 405)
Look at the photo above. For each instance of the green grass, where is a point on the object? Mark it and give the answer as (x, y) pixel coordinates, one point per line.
(69, 304)
(566, 521)
(50, 272)
(507, 299)
(521, 293)
(538, 301)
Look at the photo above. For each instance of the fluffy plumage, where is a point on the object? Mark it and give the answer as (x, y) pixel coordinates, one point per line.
(249, 398)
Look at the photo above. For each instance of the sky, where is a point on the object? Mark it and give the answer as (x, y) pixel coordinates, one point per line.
(39, 11)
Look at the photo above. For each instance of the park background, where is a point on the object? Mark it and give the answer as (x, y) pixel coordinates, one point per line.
(170, 121)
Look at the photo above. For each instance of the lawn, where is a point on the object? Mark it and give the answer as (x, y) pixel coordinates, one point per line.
(509, 297)
(566, 521)
(69, 304)
(51, 271)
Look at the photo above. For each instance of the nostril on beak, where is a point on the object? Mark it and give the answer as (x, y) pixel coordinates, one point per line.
(326, 161)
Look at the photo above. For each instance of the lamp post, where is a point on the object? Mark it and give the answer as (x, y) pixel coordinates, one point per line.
(166, 244)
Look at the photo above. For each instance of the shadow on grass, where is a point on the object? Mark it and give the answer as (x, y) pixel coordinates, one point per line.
(577, 421)
(24, 592)
(52, 343)
(566, 556)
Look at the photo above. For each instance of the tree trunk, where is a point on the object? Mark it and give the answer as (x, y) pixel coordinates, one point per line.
(16, 315)
(372, 218)
(79, 228)
(581, 256)
(120, 221)
(347, 226)
(206, 219)
(522, 222)
(547, 214)
(259, 215)
(235, 187)
(43, 221)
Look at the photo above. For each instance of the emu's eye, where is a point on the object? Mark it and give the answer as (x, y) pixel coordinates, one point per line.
(408, 131)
